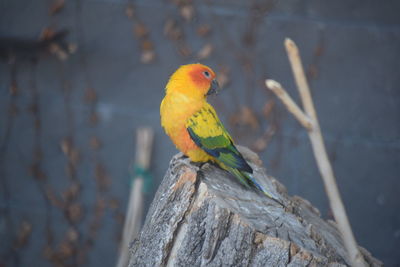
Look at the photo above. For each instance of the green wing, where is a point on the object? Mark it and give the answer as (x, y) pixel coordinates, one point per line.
(208, 133)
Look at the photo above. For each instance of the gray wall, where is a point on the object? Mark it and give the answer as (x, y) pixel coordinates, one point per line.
(351, 52)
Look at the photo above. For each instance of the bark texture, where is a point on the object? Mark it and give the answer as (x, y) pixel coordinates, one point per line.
(201, 216)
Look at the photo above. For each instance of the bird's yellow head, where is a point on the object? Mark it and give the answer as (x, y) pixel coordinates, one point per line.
(193, 80)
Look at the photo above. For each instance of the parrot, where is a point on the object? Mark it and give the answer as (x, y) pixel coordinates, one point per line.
(194, 127)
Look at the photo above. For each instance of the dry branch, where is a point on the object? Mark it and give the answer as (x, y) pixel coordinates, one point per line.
(289, 103)
(301, 80)
(319, 150)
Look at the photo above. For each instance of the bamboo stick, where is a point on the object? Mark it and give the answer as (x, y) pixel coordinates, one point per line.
(134, 215)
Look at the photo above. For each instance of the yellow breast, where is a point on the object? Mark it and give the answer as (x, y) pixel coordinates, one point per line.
(175, 111)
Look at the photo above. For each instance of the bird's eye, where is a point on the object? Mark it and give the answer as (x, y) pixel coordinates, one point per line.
(207, 74)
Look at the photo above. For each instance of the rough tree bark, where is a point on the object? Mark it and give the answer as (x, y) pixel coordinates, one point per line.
(201, 216)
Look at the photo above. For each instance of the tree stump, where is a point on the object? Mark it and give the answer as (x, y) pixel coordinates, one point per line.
(201, 216)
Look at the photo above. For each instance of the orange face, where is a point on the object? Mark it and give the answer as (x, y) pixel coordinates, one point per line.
(193, 79)
(201, 75)
(204, 78)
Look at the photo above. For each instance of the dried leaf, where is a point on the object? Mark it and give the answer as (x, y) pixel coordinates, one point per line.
(319, 50)
(65, 250)
(147, 45)
(72, 48)
(90, 95)
(223, 76)
(24, 232)
(74, 212)
(93, 118)
(245, 117)
(72, 235)
(46, 34)
(140, 30)
(268, 107)
(204, 30)
(36, 171)
(249, 118)
(102, 178)
(187, 12)
(66, 145)
(312, 72)
(13, 89)
(95, 142)
(130, 11)
(56, 7)
(148, 56)
(72, 192)
(74, 156)
(261, 143)
(172, 30)
(58, 51)
(184, 50)
(51, 196)
(205, 51)
(168, 26)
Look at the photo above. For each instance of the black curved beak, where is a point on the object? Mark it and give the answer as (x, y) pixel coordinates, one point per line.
(214, 87)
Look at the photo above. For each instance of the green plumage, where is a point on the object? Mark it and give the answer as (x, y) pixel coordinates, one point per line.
(209, 134)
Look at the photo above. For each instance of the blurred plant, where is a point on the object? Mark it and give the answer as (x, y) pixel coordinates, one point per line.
(56, 7)
(142, 34)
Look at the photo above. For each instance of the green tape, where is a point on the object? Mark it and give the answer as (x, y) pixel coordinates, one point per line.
(138, 171)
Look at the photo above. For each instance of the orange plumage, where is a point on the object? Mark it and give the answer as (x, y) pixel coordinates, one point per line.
(185, 95)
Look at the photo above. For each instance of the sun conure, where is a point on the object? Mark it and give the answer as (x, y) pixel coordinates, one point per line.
(193, 124)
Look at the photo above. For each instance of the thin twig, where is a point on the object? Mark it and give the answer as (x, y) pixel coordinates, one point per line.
(289, 103)
(301, 80)
(321, 156)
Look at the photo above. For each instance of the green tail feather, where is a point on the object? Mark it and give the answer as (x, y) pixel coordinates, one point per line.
(241, 177)
(254, 183)
(248, 180)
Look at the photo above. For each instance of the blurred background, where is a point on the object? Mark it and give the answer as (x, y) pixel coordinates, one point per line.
(79, 77)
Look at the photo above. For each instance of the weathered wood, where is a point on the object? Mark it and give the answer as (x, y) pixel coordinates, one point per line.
(201, 216)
